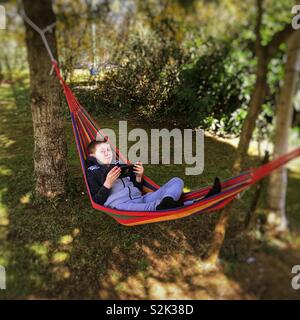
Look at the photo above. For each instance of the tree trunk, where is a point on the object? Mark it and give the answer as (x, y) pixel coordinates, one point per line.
(276, 219)
(250, 219)
(46, 105)
(256, 102)
(213, 254)
(255, 105)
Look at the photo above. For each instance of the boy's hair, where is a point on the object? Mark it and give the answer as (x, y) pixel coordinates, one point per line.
(94, 143)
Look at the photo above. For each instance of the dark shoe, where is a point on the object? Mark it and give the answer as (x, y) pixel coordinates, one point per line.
(169, 203)
(216, 188)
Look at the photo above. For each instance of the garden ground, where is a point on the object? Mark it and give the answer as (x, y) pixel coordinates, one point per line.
(64, 249)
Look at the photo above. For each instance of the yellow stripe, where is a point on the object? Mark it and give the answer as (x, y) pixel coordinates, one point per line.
(185, 213)
(81, 142)
(83, 127)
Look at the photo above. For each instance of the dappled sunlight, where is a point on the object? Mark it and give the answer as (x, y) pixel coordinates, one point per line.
(63, 254)
(11, 107)
(60, 257)
(4, 221)
(26, 198)
(67, 250)
(292, 201)
(295, 167)
(4, 217)
(294, 175)
(232, 142)
(6, 142)
(41, 250)
(166, 290)
(5, 256)
(176, 276)
(4, 171)
(185, 189)
(36, 280)
(76, 232)
(277, 243)
(253, 147)
(67, 239)
(163, 269)
(61, 273)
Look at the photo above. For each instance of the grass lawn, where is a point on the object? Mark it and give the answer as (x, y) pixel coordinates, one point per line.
(66, 250)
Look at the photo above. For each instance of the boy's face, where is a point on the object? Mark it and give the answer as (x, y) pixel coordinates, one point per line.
(103, 153)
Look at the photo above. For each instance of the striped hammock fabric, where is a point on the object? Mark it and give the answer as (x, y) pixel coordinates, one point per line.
(85, 130)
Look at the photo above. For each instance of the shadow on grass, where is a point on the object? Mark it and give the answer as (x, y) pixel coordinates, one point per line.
(66, 250)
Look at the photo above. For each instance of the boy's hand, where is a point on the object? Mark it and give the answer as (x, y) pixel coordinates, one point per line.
(112, 176)
(139, 171)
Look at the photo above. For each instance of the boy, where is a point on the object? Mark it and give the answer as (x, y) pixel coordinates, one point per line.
(124, 193)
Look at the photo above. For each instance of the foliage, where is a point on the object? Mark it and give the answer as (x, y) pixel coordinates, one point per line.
(148, 73)
(162, 81)
(210, 88)
(162, 60)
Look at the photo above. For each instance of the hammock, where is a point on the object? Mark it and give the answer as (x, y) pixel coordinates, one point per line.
(85, 130)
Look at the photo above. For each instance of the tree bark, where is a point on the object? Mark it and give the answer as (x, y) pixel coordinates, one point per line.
(255, 105)
(276, 219)
(264, 54)
(218, 237)
(250, 220)
(46, 104)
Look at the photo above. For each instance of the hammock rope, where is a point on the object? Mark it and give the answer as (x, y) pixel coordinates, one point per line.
(86, 129)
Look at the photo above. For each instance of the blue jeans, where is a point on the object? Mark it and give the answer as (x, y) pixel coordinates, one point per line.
(149, 201)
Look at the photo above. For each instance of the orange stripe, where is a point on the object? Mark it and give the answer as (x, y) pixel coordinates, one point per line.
(183, 214)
